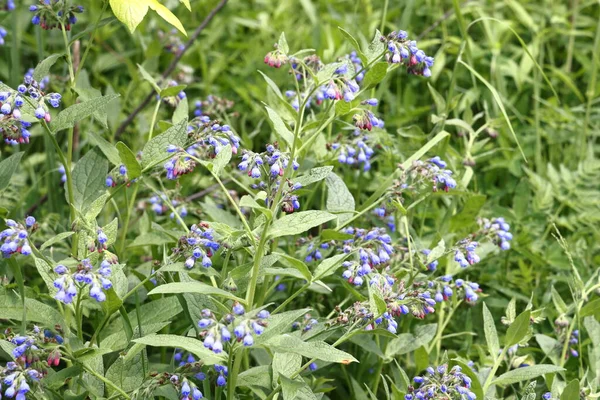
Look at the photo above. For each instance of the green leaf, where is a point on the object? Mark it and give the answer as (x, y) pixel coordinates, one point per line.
(109, 149)
(296, 264)
(332, 234)
(280, 127)
(375, 49)
(525, 373)
(440, 102)
(339, 198)
(127, 374)
(134, 169)
(89, 176)
(355, 45)
(156, 238)
(313, 175)
(375, 75)
(55, 239)
(68, 117)
(491, 335)
(299, 222)
(518, 329)
(559, 303)
(475, 383)
(43, 68)
(296, 389)
(316, 349)
(280, 323)
(591, 308)
(12, 308)
(255, 376)
(571, 391)
(408, 342)
(147, 77)
(467, 216)
(282, 44)
(193, 287)
(377, 304)
(222, 159)
(499, 102)
(436, 252)
(328, 266)
(192, 345)
(8, 168)
(155, 150)
(172, 91)
(131, 13)
(181, 112)
(285, 364)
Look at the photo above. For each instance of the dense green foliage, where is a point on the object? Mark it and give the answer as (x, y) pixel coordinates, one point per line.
(512, 105)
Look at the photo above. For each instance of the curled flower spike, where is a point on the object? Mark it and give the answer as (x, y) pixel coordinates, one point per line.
(234, 327)
(70, 282)
(50, 14)
(198, 245)
(405, 52)
(441, 383)
(498, 230)
(15, 238)
(355, 151)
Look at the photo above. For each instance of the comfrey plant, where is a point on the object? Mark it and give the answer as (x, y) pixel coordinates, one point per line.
(313, 256)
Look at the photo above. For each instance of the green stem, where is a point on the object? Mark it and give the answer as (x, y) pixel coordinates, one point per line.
(154, 115)
(128, 217)
(68, 52)
(234, 373)
(492, 373)
(18, 274)
(290, 298)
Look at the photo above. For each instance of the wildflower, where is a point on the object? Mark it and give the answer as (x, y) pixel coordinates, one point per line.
(198, 244)
(69, 283)
(441, 382)
(15, 238)
(55, 14)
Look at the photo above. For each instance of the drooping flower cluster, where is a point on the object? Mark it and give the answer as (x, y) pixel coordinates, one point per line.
(272, 164)
(441, 383)
(15, 238)
(50, 14)
(421, 173)
(371, 248)
(13, 128)
(237, 326)
(213, 106)
(469, 249)
(120, 173)
(171, 41)
(354, 151)
(70, 282)
(402, 51)
(187, 389)
(386, 216)
(198, 245)
(159, 207)
(498, 230)
(184, 380)
(342, 85)
(276, 58)
(33, 354)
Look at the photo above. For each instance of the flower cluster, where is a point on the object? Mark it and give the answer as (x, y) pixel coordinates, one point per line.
(63, 173)
(372, 249)
(342, 85)
(366, 120)
(272, 164)
(355, 152)
(307, 323)
(159, 207)
(13, 128)
(213, 106)
(198, 244)
(33, 354)
(211, 136)
(441, 383)
(276, 58)
(15, 238)
(358, 66)
(70, 282)
(171, 41)
(402, 51)
(386, 216)
(498, 230)
(187, 389)
(236, 326)
(120, 173)
(174, 99)
(468, 257)
(51, 14)
(431, 172)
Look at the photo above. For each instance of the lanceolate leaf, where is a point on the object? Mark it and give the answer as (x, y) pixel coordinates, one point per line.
(8, 168)
(192, 345)
(296, 223)
(89, 176)
(193, 287)
(78, 111)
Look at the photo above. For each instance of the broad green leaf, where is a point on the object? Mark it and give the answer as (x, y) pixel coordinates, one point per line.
(56, 380)
(467, 216)
(68, 117)
(299, 222)
(375, 75)
(280, 127)
(134, 168)
(131, 13)
(296, 264)
(317, 349)
(440, 102)
(109, 149)
(8, 168)
(155, 150)
(43, 68)
(313, 175)
(436, 252)
(375, 49)
(355, 45)
(12, 308)
(126, 373)
(525, 374)
(296, 389)
(172, 91)
(192, 345)
(55, 239)
(280, 323)
(181, 112)
(332, 234)
(339, 198)
(559, 303)
(93, 210)
(591, 308)
(256, 376)
(407, 342)
(222, 159)
(282, 44)
(328, 266)
(491, 335)
(377, 304)
(89, 176)
(156, 238)
(285, 364)
(193, 287)
(518, 329)
(571, 391)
